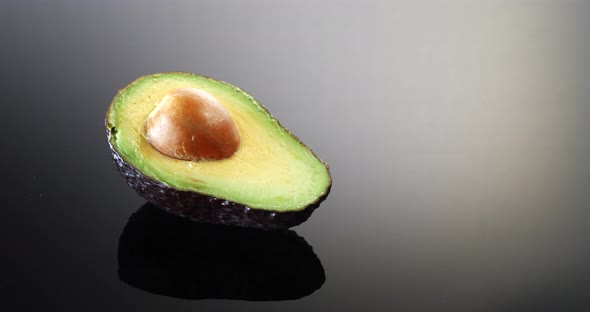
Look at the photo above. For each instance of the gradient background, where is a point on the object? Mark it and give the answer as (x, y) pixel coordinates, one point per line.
(456, 131)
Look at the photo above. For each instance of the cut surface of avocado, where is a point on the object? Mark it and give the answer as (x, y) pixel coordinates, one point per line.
(270, 170)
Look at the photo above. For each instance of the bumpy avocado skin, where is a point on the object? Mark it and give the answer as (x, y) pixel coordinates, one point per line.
(167, 255)
(203, 208)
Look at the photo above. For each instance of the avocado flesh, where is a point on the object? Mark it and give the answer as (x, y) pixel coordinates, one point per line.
(271, 170)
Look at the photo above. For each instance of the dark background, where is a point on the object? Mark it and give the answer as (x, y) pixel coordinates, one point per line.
(456, 131)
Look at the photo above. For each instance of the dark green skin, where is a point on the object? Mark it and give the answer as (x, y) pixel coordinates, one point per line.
(204, 208)
(167, 255)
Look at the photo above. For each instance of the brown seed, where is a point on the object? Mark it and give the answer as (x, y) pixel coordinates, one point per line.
(191, 124)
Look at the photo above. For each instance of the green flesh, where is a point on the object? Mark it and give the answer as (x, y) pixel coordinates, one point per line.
(271, 170)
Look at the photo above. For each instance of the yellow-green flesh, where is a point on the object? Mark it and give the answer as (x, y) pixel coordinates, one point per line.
(271, 170)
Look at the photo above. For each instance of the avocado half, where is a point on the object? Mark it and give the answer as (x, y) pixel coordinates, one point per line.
(167, 255)
(271, 180)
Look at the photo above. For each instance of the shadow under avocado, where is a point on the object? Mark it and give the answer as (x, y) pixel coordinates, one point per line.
(168, 255)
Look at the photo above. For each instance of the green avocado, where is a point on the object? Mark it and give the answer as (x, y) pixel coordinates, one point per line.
(189, 143)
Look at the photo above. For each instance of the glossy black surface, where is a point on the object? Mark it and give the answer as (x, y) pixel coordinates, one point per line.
(456, 133)
(169, 255)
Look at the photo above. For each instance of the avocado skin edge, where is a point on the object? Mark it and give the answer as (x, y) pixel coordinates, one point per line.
(208, 209)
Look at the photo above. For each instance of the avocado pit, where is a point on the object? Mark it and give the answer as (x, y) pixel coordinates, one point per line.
(190, 124)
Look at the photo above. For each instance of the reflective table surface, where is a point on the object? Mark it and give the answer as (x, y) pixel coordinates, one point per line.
(456, 134)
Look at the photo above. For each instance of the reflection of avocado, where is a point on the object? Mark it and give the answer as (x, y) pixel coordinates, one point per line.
(167, 255)
(206, 150)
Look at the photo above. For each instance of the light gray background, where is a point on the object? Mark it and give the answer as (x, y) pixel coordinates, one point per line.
(456, 132)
